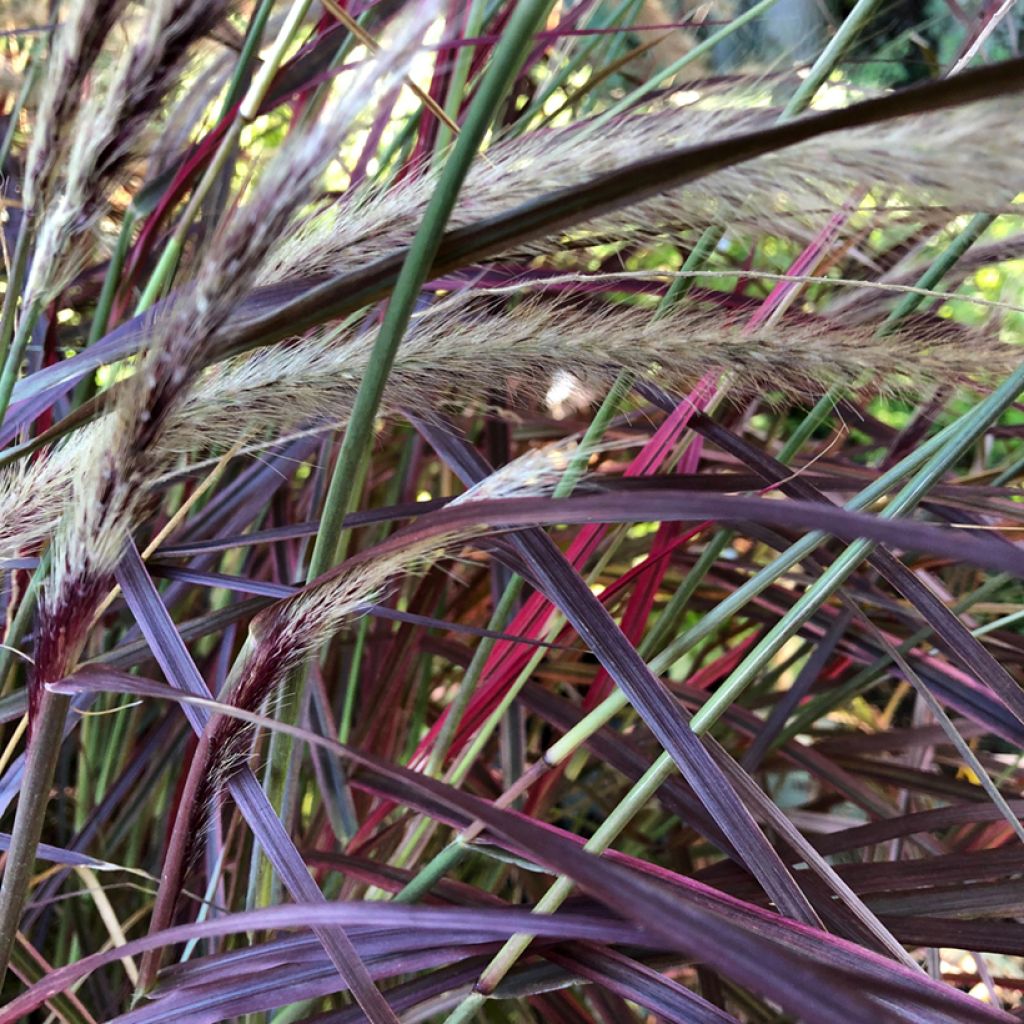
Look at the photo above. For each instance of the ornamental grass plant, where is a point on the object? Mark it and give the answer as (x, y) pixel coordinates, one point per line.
(509, 512)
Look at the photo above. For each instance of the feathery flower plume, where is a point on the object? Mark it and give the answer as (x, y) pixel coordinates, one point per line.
(283, 635)
(481, 344)
(455, 351)
(106, 131)
(791, 192)
(126, 449)
(108, 490)
(76, 45)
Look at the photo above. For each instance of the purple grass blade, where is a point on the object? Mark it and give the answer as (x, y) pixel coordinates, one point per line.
(913, 824)
(664, 504)
(130, 653)
(645, 692)
(968, 650)
(300, 531)
(59, 855)
(436, 925)
(641, 984)
(677, 911)
(228, 998)
(788, 702)
(36, 393)
(180, 670)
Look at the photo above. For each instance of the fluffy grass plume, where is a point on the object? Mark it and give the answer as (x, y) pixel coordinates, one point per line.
(790, 193)
(103, 132)
(455, 352)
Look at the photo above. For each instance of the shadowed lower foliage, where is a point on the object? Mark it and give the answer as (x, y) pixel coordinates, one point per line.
(505, 518)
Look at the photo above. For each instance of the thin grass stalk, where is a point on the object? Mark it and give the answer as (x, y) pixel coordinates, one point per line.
(453, 854)
(852, 26)
(934, 468)
(961, 746)
(337, 61)
(966, 431)
(574, 471)
(35, 65)
(47, 736)
(505, 64)
(700, 50)
(250, 48)
(111, 280)
(415, 268)
(9, 359)
(940, 266)
(358, 33)
(582, 52)
(459, 77)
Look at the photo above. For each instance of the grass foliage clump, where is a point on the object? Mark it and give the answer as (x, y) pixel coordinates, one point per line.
(509, 513)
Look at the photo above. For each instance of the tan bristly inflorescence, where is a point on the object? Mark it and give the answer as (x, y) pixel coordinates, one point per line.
(790, 193)
(69, 181)
(89, 491)
(284, 634)
(456, 350)
(104, 471)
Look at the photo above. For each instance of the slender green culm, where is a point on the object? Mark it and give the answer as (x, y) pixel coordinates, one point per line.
(505, 63)
(342, 491)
